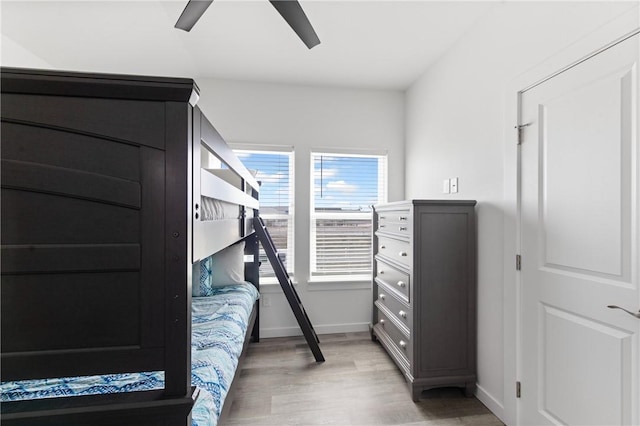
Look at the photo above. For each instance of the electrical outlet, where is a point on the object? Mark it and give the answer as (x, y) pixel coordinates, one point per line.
(266, 301)
(454, 185)
(445, 186)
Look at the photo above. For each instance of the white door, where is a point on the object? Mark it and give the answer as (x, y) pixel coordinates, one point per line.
(580, 235)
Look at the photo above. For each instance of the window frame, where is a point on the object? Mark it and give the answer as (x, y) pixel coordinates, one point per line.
(240, 148)
(382, 189)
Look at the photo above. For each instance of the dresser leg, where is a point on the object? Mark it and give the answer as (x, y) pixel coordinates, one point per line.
(373, 335)
(415, 394)
(469, 389)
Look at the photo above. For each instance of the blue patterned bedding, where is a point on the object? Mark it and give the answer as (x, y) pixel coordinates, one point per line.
(219, 325)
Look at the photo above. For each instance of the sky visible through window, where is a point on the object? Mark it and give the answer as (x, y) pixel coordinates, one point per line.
(273, 173)
(345, 183)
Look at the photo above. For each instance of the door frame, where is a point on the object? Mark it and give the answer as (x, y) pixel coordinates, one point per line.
(625, 26)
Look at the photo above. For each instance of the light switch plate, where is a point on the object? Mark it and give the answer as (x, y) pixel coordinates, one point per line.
(454, 185)
(445, 186)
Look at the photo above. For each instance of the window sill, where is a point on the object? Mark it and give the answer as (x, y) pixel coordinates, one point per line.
(340, 278)
(272, 285)
(340, 282)
(347, 282)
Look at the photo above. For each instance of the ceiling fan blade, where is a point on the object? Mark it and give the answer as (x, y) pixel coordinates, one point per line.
(292, 12)
(191, 13)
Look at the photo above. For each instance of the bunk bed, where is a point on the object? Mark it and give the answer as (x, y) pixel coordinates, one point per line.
(120, 205)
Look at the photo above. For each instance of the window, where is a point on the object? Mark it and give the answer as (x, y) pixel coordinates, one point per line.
(274, 170)
(344, 189)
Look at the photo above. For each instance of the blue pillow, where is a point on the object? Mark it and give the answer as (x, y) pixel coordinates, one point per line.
(203, 286)
(223, 268)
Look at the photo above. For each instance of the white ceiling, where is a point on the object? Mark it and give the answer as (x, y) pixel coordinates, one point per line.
(369, 44)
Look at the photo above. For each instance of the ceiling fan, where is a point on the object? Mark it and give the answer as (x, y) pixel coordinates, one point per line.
(290, 10)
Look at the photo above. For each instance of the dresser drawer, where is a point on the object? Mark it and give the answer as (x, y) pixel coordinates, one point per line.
(403, 229)
(398, 216)
(400, 341)
(399, 310)
(399, 251)
(395, 222)
(394, 279)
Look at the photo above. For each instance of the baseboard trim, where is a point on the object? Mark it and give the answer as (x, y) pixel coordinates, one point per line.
(490, 402)
(320, 329)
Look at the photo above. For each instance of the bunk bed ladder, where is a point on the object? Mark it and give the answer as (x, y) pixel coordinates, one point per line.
(288, 289)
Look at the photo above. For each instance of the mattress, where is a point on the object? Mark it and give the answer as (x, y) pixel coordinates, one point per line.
(219, 327)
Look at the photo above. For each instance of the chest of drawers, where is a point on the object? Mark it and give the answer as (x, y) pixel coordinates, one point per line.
(424, 291)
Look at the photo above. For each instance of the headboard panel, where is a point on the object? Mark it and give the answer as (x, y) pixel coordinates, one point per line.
(78, 249)
(85, 188)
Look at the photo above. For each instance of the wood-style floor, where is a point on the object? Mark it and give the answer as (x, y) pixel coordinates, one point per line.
(281, 384)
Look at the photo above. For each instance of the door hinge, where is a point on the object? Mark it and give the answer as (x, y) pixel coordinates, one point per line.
(517, 389)
(518, 262)
(520, 128)
(520, 135)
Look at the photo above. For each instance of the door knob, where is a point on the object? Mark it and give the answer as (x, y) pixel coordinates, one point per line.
(623, 309)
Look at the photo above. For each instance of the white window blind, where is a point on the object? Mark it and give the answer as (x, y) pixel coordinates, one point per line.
(344, 189)
(274, 170)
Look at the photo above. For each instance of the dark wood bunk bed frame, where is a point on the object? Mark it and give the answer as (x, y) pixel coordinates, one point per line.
(101, 226)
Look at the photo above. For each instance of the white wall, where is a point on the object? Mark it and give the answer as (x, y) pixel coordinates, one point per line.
(455, 127)
(311, 118)
(14, 55)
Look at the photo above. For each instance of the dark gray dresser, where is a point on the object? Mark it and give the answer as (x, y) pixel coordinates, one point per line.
(424, 291)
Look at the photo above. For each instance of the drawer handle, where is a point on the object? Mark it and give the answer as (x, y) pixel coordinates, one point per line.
(381, 296)
(401, 284)
(403, 228)
(381, 322)
(403, 217)
(381, 272)
(403, 344)
(403, 314)
(383, 247)
(383, 217)
(383, 226)
(403, 254)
